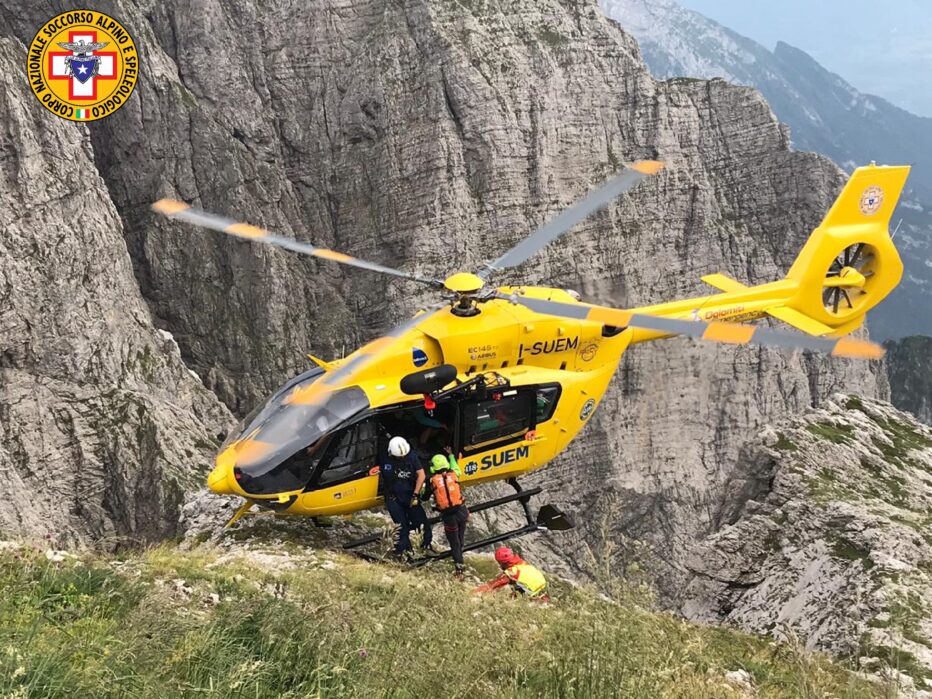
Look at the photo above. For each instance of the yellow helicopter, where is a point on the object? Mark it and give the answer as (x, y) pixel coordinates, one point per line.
(508, 376)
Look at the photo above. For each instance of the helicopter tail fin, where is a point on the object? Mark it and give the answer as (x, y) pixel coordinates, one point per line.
(849, 264)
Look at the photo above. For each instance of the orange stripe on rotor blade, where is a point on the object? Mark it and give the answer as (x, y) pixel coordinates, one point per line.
(246, 230)
(307, 395)
(732, 333)
(251, 450)
(647, 167)
(610, 316)
(848, 347)
(169, 206)
(332, 255)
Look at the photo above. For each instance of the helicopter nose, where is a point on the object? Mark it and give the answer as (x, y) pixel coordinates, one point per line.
(218, 480)
(221, 480)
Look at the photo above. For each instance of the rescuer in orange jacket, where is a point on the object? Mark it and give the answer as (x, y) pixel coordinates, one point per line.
(521, 575)
(444, 486)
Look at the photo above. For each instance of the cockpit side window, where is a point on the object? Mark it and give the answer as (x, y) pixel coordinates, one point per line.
(262, 411)
(353, 452)
(292, 474)
(282, 439)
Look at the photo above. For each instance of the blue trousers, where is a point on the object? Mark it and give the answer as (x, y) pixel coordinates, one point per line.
(408, 517)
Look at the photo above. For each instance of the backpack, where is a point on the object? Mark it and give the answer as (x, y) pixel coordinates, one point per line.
(446, 489)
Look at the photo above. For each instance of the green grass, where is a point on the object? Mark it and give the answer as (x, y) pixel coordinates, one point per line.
(854, 403)
(837, 434)
(784, 443)
(130, 628)
(896, 490)
(903, 439)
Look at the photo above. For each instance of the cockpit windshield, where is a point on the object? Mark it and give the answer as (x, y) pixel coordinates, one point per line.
(281, 441)
(258, 414)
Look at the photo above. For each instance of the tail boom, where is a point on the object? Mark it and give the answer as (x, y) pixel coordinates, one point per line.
(847, 266)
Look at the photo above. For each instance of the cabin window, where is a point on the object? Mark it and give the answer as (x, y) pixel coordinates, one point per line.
(351, 454)
(488, 423)
(547, 397)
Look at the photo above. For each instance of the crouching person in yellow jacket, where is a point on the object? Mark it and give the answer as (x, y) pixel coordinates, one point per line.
(521, 575)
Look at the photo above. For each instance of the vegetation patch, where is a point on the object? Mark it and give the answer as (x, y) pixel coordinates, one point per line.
(849, 551)
(903, 661)
(895, 490)
(854, 403)
(784, 443)
(904, 436)
(837, 434)
(552, 38)
(182, 624)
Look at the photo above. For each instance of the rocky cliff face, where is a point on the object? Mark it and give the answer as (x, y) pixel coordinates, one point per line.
(839, 548)
(432, 135)
(102, 428)
(909, 368)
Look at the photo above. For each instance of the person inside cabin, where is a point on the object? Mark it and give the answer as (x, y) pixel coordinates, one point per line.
(434, 432)
(403, 476)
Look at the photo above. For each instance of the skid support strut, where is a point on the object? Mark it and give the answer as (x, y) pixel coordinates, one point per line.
(549, 517)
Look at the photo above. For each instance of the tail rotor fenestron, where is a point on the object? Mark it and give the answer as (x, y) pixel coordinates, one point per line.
(847, 279)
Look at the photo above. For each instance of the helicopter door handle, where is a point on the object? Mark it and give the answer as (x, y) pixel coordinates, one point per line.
(532, 438)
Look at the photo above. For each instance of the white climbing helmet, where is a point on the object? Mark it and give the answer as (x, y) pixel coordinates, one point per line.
(398, 446)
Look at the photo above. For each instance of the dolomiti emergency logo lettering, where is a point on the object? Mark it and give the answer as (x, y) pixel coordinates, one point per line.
(82, 65)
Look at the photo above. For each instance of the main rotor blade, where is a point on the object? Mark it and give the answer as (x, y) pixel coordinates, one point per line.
(189, 214)
(368, 353)
(716, 331)
(577, 213)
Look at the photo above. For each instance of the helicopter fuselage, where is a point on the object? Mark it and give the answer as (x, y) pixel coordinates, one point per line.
(531, 354)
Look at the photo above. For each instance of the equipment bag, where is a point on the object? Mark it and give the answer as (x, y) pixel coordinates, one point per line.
(446, 487)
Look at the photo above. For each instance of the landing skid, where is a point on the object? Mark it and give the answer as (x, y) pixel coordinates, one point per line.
(548, 518)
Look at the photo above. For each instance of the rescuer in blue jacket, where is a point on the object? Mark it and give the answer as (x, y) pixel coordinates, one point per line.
(403, 476)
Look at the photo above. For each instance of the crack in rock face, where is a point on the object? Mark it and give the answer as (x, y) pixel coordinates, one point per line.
(429, 136)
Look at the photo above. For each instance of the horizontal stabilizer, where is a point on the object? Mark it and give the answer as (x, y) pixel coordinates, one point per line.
(723, 283)
(799, 321)
(788, 315)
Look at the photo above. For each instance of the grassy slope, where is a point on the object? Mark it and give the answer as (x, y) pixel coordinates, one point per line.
(322, 625)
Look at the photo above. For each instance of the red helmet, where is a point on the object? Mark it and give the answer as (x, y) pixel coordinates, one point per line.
(506, 557)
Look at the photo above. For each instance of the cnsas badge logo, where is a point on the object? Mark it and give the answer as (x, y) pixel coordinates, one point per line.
(82, 65)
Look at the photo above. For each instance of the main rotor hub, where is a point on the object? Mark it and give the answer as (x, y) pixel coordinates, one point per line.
(465, 286)
(463, 283)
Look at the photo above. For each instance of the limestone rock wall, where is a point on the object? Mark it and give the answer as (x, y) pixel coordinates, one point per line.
(102, 427)
(909, 368)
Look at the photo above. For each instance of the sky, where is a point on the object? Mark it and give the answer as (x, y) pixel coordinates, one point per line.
(882, 47)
